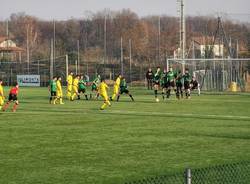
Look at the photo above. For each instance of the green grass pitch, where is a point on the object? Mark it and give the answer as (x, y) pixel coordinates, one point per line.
(77, 143)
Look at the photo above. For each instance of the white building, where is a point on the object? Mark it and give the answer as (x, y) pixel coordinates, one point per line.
(204, 44)
(9, 50)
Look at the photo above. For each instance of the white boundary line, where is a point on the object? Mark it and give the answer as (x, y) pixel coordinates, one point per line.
(187, 115)
(124, 112)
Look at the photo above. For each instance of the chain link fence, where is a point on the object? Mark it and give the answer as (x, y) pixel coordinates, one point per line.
(217, 74)
(134, 73)
(237, 173)
(168, 179)
(212, 74)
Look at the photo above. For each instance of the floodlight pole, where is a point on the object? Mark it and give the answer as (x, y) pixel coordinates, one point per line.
(183, 35)
(7, 29)
(28, 49)
(76, 65)
(130, 60)
(121, 57)
(67, 65)
(51, 59)
(54, 41)
(78, 56)
(105, 44)
(159, 39)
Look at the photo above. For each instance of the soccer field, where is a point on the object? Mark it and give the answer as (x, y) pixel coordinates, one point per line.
(77, 143)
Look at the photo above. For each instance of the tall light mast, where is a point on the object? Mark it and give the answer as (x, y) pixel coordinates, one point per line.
(182, 33)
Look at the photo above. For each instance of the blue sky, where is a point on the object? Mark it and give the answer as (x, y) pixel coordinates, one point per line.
(64, 9)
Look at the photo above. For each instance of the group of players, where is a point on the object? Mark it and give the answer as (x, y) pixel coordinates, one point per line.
(166, 81)
(172, 80)
(77, 85)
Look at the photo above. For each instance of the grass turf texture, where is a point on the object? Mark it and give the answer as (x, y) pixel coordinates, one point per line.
(78, 143)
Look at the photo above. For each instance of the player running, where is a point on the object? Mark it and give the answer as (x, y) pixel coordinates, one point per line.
(52, 89)
(187, 79)
(82, 88)
(116, 88)
(75, 87)
(179, 85)
(195, 85)
(94, 86)
(2, 97)
(69, 85)
(12, 98)
(59, 91)
(157, 78)
(171, 81)
(124, 89)
(103, 92)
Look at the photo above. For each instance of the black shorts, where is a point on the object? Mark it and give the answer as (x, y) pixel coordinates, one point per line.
(124, 91)
(179, 85)
(171, 84)
(165, 85)
(194, 85)
(81, 90)
(12, 97)
(187, 85)
(53, 93)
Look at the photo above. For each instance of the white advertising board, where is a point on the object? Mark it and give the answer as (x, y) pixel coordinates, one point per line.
(28, 80)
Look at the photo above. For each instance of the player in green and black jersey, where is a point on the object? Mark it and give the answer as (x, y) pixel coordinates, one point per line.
(95, 85)
(52, 89)
(179, 84)
(124, 89)
(187, 79)
(171, 81)
(164, 83)
(82, 88)
(157, 79)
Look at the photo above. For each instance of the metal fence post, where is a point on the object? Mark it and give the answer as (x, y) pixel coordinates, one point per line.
(67, 65)
(167, 65)
(188, 176)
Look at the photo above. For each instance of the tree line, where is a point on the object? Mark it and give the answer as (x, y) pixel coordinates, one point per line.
(153, 38)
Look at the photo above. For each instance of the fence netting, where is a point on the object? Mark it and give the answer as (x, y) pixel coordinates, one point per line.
(213, 75)
(237, 173)
(168, 179)
(217, 74)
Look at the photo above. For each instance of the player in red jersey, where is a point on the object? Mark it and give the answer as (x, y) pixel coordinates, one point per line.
(12, 98)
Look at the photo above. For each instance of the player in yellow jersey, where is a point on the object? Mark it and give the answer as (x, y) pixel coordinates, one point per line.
(103, 93)
(69, 84)
(75, 87)
(59, 92)
(1, 94)
(116, 88)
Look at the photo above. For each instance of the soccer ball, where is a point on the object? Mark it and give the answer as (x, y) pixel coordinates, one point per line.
(157, 100)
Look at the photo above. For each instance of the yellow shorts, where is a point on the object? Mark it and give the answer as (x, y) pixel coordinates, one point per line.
(69, 88)
(59, 94)
(105, 97)
(75, 89)
(1, 101)
(116, 89)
